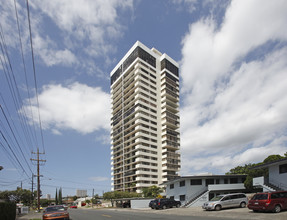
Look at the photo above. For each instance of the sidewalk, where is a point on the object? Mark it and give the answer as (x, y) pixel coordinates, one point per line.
(30, 215)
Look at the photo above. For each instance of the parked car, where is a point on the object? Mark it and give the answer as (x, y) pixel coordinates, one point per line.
(268, 201)
(226, 201)
(55, 212)
(73, 206)
(127, 204)
(164, 203)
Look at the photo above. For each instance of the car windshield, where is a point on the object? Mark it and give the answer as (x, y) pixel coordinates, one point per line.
(55, 208)
(216, 198)
(260, 196)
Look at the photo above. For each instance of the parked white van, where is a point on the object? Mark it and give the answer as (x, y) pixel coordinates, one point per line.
(226, 201)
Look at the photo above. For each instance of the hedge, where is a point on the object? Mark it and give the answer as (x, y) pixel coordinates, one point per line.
(7, 211)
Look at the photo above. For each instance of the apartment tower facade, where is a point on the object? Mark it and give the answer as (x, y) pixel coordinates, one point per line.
(145, 138)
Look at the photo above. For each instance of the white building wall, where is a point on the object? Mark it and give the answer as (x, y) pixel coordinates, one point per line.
(276, 178)
(191, 191)
(140, 203)
(204, 198)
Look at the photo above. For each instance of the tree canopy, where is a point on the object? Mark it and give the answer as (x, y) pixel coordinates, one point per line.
(119, 195)
(152, 191)
(20, 195)
(251, 173)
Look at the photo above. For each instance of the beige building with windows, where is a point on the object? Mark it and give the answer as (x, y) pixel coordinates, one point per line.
(145, 139)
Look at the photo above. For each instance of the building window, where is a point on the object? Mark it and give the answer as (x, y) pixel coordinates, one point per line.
(171, 186)
(209, 182)
(283, 168)
(225, 181)
(182, 197)
(168, 65)
(182, 183)
(233, 180)
(196, 182)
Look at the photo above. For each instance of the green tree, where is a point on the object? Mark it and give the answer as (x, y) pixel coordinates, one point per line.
(56, 197)
(119, 195)
(272, 158)
(95, 199)
(252, 173)
(75, 198)
(152, 191)
(88, 201)
(19, 195)
(44, 202)
(60, 196)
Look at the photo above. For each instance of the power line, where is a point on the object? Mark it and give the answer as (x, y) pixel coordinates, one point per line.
(13, 153)
(15, 138)
(28, 139)
(12, 84)
(24, 67)
(34, 71)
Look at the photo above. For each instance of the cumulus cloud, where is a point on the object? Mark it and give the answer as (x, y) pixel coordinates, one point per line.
(76, 106)
(51, 55)
(234, 87)
(91, 26)
(67, 32)
(99, 178)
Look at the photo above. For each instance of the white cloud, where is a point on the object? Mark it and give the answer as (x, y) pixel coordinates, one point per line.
(99, 178)
(51, 55)
(190, 5)
(67, 32)
(223, 162)
(77, 106)
(234, 89)
(90, 26)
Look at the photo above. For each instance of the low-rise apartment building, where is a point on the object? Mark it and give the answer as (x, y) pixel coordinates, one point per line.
(195, 190)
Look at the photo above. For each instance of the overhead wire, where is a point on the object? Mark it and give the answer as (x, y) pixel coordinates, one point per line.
(4, 59)
(15, 138)
(20, 164)
(25, 71)
(35, 78)
(10, 141)
(17, 100)
(12, 84)
(7, 68)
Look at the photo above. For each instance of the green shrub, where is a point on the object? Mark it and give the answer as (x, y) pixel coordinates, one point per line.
(7, 211)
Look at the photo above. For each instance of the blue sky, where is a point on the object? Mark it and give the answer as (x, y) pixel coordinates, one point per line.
(233, 78)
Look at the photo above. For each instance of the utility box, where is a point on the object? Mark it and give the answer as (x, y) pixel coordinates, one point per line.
(24, 210)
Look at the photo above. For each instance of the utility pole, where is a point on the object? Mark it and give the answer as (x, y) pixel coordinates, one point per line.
(93, 198)
(38, 175)
(32, 199)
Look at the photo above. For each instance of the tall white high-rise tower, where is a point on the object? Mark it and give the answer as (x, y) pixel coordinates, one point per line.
(145, 139)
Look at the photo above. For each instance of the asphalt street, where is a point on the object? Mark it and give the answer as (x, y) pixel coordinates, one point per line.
(195, 213)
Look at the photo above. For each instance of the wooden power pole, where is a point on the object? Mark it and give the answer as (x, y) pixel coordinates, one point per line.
(38, 176)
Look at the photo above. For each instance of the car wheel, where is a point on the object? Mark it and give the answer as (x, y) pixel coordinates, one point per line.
(178, 205)
(242, 205)
(164, 207)
(277, 209)
(217, 208)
